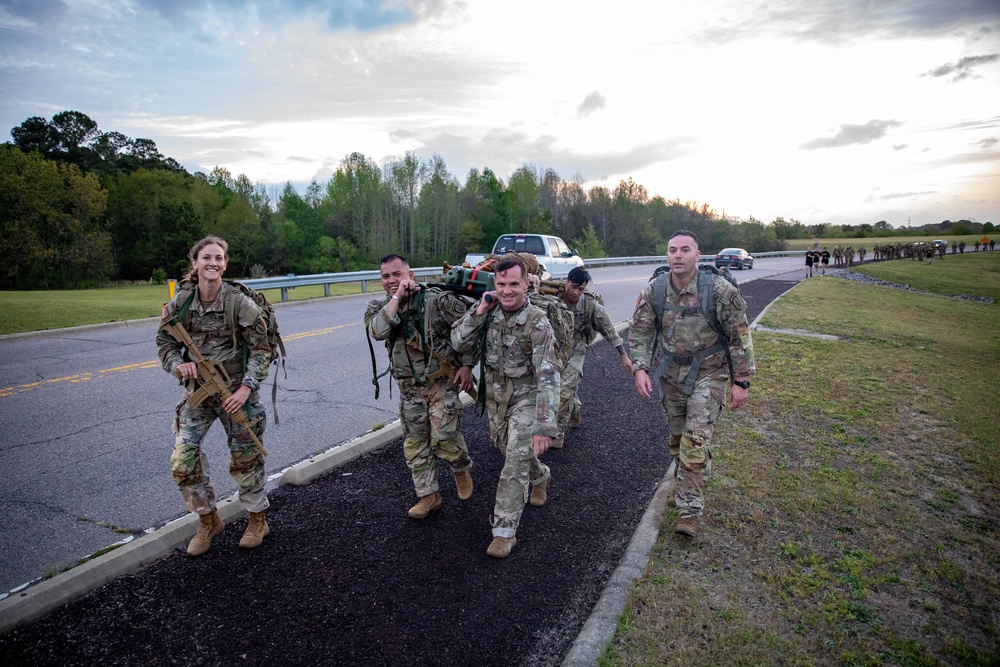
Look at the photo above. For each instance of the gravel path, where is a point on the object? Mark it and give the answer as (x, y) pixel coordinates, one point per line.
(346, 578)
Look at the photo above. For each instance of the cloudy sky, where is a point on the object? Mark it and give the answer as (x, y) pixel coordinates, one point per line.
(841, 111)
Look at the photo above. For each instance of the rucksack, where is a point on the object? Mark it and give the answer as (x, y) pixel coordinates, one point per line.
(415, 323)
(273, 335)
(588, 332)
(561, 319)
(706, 306)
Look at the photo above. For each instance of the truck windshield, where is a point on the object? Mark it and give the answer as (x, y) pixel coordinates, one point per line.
(517, 243)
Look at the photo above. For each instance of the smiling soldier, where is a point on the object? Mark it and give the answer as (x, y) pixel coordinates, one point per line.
(522, 392)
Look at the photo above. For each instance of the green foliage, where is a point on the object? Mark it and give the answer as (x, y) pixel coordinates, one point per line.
(52, 224)
(135, 211)
(588, 245)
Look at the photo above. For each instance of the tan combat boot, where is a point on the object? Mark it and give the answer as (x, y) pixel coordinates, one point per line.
(687, 526)
(211, 525)
(463, 484)
(425, 506)
(500, 547)
(574, 419)
(256, 531)
(540, 492)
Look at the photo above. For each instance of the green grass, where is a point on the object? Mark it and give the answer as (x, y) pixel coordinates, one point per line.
(949, 276)
(870, 242)
(852, 517)
(55, 309)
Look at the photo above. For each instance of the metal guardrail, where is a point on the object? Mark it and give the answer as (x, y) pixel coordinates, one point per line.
(285, 283)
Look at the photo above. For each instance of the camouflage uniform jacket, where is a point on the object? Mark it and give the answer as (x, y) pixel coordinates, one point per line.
(589, 319)
(414, 340)
(521, 363)
(210, 332)
(687, 334)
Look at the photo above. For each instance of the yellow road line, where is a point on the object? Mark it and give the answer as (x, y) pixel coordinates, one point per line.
(142, 366)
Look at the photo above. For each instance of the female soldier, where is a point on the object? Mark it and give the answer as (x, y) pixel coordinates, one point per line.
(227, 326)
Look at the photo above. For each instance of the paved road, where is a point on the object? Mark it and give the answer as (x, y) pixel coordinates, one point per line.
(85, 419)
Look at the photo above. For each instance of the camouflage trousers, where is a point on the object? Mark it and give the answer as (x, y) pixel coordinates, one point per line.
(431, 418)
(569, 393)
(189, 464)
(692, 422)
(521, 468)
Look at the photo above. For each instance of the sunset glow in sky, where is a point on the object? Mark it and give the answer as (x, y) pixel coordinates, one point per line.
(838, 111)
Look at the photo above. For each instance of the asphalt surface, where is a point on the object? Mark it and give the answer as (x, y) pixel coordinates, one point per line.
(346, 578)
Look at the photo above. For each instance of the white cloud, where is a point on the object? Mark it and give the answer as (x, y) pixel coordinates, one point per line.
(854, 134)
(709, 101)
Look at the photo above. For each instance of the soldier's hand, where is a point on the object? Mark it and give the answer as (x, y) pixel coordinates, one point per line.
(463, 378)
(540, 443)
(188, 371)
(643, 384)
(737, 396)
(487, 304)
(627, 363)
(236, 399)
(406, 288)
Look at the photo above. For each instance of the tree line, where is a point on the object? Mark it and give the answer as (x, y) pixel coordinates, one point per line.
(81, 208)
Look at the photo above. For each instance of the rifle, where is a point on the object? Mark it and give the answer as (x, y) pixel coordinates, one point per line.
(213, 380)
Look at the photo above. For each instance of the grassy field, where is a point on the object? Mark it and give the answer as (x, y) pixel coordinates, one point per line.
(869, 243)
(54, 309)
(853, 515)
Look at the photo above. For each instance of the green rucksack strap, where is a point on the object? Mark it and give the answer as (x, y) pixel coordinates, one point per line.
(659, 301)
(375, 374)
(706, 287)
(481, 399)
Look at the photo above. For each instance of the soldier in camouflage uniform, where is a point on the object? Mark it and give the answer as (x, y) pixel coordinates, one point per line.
(429, 374)
(687, 337)
(589, 319)
(211, 332)
(522, 392)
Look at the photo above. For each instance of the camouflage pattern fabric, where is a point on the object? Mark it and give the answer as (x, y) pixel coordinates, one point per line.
(442, 311)
(189, 465)
(210, 332)
(521, 468)
(431, 418)
(692, 419)
(687, 333)
(589, 319)
(430, 415)
(522, 393)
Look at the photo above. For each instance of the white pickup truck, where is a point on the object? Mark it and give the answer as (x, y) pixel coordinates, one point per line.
(552, 252)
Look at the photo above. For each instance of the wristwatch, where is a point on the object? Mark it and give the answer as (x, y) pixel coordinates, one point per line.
(742, 383)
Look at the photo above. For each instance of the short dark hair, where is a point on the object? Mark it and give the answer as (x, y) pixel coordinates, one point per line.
(578, 275)
(391, 256)
(509, 261)
(684, 232)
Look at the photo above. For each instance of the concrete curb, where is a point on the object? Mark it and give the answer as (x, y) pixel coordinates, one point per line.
(30, 604)
(316, 466)
(602, 623)
(21, 608)
(34, 602)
